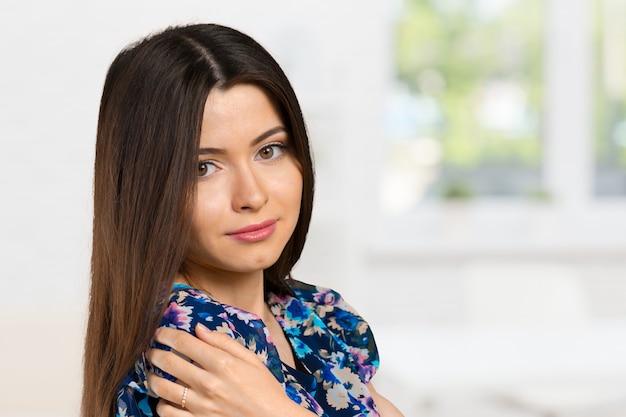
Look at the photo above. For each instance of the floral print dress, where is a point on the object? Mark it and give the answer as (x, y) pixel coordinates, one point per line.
(328, 337)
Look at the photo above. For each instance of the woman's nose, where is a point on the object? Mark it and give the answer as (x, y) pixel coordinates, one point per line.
(249, 192)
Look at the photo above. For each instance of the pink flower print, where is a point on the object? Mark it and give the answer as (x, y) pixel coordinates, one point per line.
(361, 355)
(326, 296)
(330, 298)
(242, 315)
(266, 332)
(179, 316)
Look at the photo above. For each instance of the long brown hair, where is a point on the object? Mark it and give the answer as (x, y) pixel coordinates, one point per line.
(144, 184)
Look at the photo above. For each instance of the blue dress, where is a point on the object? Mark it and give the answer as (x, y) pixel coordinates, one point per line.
(328, 337)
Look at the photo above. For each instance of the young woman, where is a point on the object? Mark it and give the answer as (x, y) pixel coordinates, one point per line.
(203, 196)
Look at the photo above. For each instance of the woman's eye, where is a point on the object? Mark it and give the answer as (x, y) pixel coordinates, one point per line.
(206, 168)
(270, 152)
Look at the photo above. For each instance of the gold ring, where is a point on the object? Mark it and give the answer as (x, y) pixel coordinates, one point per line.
(183, 402)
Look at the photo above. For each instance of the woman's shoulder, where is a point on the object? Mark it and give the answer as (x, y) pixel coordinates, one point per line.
(336, 313)
(188, 306)
(315, 294)
(325, 301)
(349, 328)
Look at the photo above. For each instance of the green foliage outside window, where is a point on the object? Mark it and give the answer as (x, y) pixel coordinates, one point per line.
(481, 63)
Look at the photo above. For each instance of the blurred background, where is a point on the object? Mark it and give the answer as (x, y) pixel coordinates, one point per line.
(471, 203)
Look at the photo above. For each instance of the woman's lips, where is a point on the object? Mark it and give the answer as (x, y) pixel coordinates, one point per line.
(254, 232)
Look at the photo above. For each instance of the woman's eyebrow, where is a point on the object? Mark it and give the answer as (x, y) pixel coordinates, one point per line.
(255, 141)
(267, 134)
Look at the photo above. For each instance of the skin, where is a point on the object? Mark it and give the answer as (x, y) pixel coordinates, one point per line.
(247, 176)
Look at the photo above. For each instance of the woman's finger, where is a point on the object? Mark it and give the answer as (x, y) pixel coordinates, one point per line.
(189, 346)
(167, 409)
(224, 342)
(209, 350)
(175, 393)
(172, 363)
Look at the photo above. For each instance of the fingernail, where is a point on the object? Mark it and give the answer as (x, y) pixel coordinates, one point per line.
(201, 328)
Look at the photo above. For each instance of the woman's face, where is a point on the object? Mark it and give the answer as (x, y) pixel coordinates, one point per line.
(249, 186)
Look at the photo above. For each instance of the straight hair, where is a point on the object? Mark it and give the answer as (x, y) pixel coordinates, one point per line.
(145, 182)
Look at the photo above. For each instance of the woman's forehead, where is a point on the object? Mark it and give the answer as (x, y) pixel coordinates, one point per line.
(241, 112)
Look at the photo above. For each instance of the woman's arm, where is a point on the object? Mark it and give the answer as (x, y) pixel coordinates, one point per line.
(384, 406)
(226, 379)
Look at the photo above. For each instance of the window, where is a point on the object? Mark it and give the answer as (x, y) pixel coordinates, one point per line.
(464, 118)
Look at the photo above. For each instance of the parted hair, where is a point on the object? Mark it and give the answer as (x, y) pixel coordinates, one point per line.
(145, 175)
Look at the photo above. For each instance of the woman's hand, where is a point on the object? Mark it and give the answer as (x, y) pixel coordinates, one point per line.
(226, 379)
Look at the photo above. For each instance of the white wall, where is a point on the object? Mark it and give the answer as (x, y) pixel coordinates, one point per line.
(54, 59)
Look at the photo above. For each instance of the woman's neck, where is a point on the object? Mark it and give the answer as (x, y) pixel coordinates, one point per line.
(244, 291)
